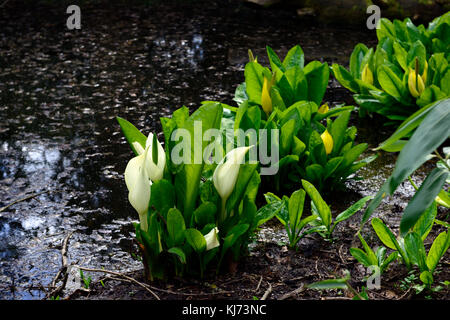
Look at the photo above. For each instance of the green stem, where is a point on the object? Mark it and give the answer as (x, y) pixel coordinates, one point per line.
(442, 159)
(412, 183)
(223, 210)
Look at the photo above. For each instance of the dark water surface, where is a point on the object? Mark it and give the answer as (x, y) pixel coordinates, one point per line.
(61, 90)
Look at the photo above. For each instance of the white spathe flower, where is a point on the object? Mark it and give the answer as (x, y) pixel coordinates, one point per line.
(155, 171)
(212, 240)
(226, 174)
(227, 171)
(138, 184)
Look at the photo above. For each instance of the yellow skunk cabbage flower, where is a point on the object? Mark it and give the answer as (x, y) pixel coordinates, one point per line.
(211, 239)
(425, 73)
(226, 174)
(416, 84)
(138, 185)
(324, 108)
(327, 141)
(266, 101)
(367, 75)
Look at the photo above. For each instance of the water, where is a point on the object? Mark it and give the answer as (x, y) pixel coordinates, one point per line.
(61, 90)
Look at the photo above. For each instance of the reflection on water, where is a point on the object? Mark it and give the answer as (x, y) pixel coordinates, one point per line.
(61, 91)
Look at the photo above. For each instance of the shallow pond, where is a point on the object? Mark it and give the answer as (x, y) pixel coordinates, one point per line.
(61, 90)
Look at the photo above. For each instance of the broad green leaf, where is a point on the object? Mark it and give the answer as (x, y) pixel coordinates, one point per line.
(356, 59)
(437, 250)
(422, 199)
(175, 226)
(254, 81)
(317, 75)
(390, 82)
(416, 250)
(429, 135)
(322, 208)
(187, 180)
(352, 209)
(205, 213)
(295, 57)
(295, 207)
(345, 78)
(195, 239)
(384, 234)
(179, 253)
(268, 211)
(162, 196)
(425, 223)
(369, 252)
(361, 256)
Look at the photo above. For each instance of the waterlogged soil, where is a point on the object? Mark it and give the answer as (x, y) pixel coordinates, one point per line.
(60, 147)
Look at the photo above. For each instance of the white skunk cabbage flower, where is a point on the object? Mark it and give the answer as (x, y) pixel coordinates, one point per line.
(211, 238)
(155, 171)
(139, 184)
(226, 174)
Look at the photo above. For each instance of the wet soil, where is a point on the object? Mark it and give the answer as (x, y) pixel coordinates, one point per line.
(60, 91)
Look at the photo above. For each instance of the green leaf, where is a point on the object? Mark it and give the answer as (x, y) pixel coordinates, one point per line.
(294, 58)
(205, 213)
(187, 180)
(426, 277)
(384, 234)
(425, 223)
(317, 75)
(391, 83)
(179, 253)
(362, 258)
(430, 134)
(254, 81)
(345, 78)
(295, 208)
(329, 284)
(356, 58)
(275, 63)
(352, 209)
(162, 196)
(422, 199)
(415, 249)
(175, 226)
(338, 129)
(132, 134)
(267, 212)
(322, 207)
(195, 239)
(369, 252)
(437, 250)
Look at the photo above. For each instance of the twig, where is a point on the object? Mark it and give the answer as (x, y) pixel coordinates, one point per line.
(123, 276)
(62, 270)
(259, 284)
(23, 199)
(293, 292)
(268, 292)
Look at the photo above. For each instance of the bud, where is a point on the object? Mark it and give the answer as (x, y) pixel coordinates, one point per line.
(266, 101)
(327, 141)
(324, 108)
(211, 239)
(367, 75)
